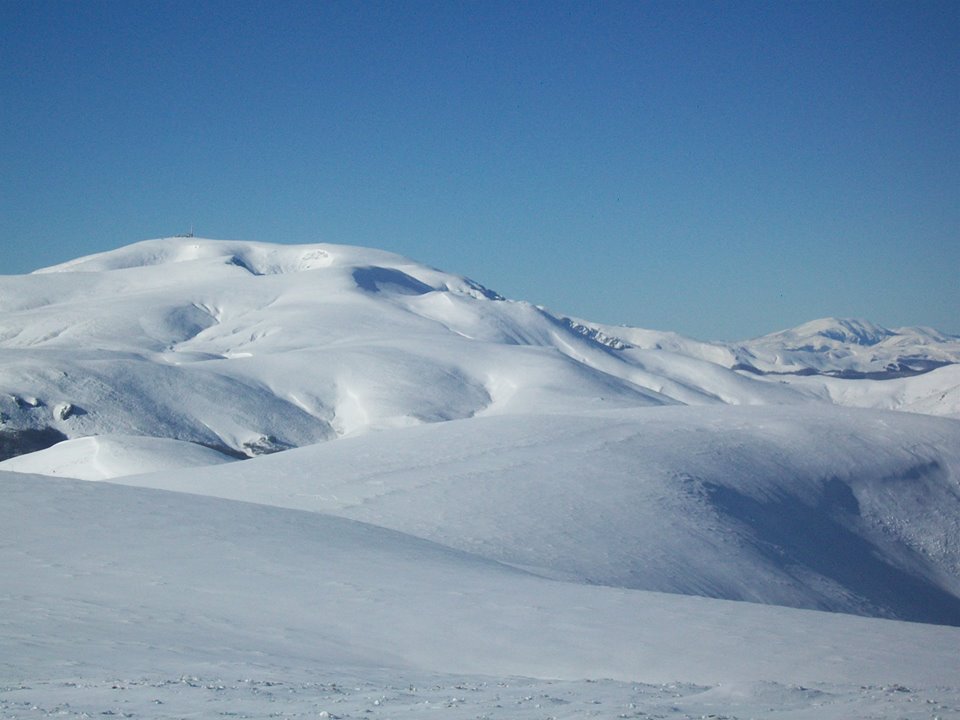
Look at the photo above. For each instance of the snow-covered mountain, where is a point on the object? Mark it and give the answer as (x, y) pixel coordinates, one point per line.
(468, 484)
(852, 348)
(250, 348)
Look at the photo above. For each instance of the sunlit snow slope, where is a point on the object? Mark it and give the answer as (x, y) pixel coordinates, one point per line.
(467, 484)
(823, 508)
(251, 348)
(254, 348)
(102, 579)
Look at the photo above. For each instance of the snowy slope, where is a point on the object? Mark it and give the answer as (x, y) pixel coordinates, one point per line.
(176, 353)
(101, 457)
(251, 348)
(852, 347)
(256, 348)
(852, 511)
(174, 600)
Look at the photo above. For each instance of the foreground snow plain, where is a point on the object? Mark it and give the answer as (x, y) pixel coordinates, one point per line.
(481, 510)
(118, 597)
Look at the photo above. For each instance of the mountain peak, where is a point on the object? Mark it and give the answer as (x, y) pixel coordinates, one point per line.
(844, 330)
(247, 346)
(259, 258)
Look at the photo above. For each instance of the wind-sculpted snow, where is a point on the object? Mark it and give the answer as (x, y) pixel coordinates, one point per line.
(852, 511)
(255, 258)
(226, 343)
(102, 457)
(250, 347)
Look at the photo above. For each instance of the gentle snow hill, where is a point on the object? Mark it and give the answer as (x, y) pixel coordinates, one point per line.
(815, 507)
(108, 456)
(251, 348)
(104, 581)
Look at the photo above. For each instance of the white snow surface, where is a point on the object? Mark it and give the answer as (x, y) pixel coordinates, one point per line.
(821, 508)
(252, 348)
(102, 457)
(481, 509)
(137, 602)
(844, 361)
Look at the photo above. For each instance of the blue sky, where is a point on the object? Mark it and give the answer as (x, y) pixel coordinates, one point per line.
(721, 169)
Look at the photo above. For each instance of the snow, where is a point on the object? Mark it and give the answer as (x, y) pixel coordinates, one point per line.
(852, 511)
(102, 457)
(117, 586)
(211, 338)
(471, 697)
(459, 503)
(823, 356)
(933, 393)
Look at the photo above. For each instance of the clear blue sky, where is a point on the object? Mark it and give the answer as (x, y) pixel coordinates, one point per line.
(722, 169)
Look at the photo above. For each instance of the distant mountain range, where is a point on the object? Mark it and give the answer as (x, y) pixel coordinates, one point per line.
(845, 348)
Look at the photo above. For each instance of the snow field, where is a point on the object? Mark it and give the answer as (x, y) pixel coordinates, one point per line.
(822, 508)
(406, 695)
(109, 581)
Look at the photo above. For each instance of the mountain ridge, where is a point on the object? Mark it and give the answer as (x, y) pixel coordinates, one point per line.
(152, 339)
